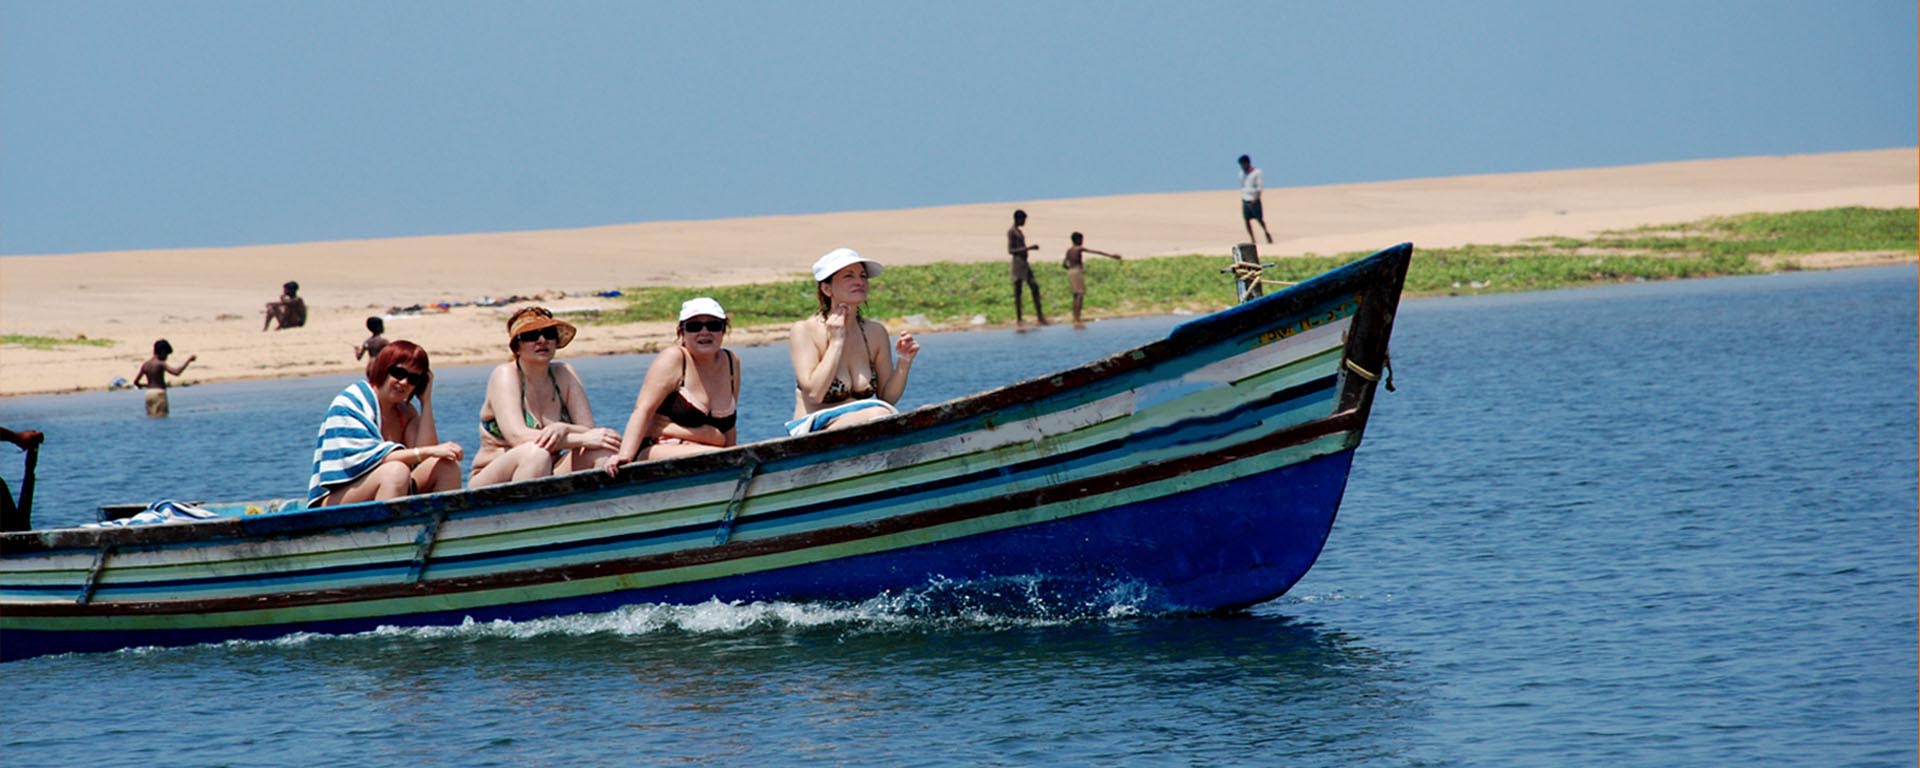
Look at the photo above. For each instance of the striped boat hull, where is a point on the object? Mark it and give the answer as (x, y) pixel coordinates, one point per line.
(1202, 471)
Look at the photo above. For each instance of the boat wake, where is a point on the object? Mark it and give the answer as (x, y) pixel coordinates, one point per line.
(943, 604)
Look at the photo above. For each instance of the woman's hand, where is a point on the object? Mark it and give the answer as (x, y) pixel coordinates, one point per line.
(601, 437)
(611, 464)
(836, 321)
(552, 438)
(906, 348)
(450, 451)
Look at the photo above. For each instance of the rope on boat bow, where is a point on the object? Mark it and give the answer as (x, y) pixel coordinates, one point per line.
(1386, 364)
(1248, 274)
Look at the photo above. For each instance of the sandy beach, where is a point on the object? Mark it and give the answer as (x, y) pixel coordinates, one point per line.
(208, 301)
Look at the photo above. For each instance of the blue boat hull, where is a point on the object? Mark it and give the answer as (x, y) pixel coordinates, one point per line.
(1217, 547)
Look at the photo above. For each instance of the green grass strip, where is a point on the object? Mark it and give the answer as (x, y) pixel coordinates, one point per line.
(950, 293)
(50, 342)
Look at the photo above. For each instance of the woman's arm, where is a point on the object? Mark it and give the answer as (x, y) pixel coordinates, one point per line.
(814, 362)
(422, 437)
(660, 381)
(424, 431)
(581, 433)
(503, 398)
(893, 378)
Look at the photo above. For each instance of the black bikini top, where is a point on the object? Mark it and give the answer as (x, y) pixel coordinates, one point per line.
(681, 411)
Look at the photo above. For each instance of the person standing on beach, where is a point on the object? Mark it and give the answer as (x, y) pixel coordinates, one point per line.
(1023, 273)
(1251, 182)
(153, 378)
(1077, 273)
(374, 343)
(290, 309)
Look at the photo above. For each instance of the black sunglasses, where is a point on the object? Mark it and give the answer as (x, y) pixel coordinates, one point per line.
(550, 333)
(696, 326)
(416, 379)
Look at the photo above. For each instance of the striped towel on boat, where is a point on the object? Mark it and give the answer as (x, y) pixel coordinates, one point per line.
(349, 444)
(160, 512)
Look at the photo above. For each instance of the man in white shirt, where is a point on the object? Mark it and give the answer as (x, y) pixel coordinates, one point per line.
(1251, 181)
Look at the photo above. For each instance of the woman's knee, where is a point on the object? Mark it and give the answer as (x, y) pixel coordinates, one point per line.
(440, 475)
(531, 456)
(390, 480)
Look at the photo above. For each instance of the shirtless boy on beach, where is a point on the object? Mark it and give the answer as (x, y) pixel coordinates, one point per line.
(1077, 273)
(153, 378)
(374, 343)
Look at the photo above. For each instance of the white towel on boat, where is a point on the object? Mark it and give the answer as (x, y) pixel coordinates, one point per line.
(160, 513)
(349, 444)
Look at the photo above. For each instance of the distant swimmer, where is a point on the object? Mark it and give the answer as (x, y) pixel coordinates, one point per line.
(289, 310)
(1018, 248)
(1077, 272)
(1251, 182)
(153, 378)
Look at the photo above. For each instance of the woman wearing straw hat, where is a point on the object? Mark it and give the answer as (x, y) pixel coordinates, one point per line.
(843, 369)
(688, 402)
(536, 420)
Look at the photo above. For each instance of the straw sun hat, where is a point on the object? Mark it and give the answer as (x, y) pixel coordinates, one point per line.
(535, 318)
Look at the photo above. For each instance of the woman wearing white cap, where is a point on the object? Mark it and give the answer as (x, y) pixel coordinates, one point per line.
(536, 420)
(687, 403)
(844, 373)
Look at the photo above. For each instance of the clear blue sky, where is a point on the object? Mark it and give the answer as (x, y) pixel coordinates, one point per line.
(173, 124)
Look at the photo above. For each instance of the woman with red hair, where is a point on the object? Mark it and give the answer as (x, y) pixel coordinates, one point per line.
(375, 444)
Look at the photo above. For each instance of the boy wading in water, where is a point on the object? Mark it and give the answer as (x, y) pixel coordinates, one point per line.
(153, 378)
(1077, 273)
(1023, 273)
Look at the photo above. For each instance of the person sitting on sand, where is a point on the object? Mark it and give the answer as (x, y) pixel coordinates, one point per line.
(1077, 273)
(374, 444)
(691, 395)
(290, 310)
(536, 420)
(374, 343)
(153, 378)
(844, 373)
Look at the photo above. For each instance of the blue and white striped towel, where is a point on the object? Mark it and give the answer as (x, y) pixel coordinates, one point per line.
(160, 512)
(349, 444)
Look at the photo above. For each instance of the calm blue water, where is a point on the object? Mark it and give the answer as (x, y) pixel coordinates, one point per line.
(1660, 524)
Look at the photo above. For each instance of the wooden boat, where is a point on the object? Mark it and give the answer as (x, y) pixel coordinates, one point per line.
(1201, 471)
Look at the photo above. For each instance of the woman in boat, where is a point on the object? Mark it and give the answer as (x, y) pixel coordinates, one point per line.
(844, 372)
(536, 420)
(689, 399)
(375, 444)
